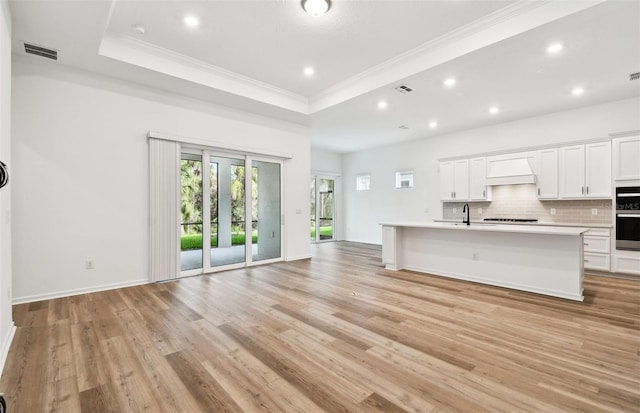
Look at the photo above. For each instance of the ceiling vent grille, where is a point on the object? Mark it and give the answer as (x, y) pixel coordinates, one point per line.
(403, 127)
(40, 51)
(404, 89)
(634, 76)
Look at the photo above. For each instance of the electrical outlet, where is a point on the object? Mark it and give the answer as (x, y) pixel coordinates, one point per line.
(479, 210)
(475, 256)
(298, 211)
(455, 210)
(594, 211)
(552, 211)
(426, 210)
(89, 264)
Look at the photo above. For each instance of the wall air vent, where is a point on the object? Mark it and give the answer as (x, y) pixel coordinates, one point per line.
(403, 89)
(634, 76)
(40, 51)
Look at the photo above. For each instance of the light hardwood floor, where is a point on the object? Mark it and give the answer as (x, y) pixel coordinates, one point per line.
(337, 333)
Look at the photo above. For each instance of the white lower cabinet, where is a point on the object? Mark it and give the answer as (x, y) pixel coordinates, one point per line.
(597, 249)
(627, 262)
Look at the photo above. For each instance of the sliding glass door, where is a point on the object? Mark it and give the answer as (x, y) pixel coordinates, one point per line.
(227, 211)
(266, 210)
(191, 223)
(243, 211)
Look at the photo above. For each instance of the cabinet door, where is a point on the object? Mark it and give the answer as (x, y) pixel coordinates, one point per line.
(446, 180)
(598, 170)
(389, 245)
(461, 180)
(548, 173)
(572, 172)
(626, 158)
(478, 179)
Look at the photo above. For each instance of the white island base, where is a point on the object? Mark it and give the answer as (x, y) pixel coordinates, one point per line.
(544, 260)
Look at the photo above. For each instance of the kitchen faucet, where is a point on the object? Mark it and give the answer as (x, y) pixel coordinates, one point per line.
(466, 209)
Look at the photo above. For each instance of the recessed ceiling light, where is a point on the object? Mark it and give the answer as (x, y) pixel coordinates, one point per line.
(191, 21)
(433, 124)
(138, 29)
(308, 71)
(382, 104)
(555, 48)
(577, 91)
(450, 81)
(494, 109)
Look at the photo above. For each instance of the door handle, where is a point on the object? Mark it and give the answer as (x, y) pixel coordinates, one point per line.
(587, 190)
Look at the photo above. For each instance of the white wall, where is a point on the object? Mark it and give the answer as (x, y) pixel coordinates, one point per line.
(365, 209)
(6, 321)
(326, 161)
(81, 170)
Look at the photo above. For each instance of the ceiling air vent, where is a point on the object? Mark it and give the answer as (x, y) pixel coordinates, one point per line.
(404, 89)
(403, 127)
(634, 76)
(40, 51)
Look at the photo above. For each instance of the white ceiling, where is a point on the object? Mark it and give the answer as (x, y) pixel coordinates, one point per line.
(250, 55)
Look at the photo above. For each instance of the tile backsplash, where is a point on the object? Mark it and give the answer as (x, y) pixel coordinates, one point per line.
(521, 201)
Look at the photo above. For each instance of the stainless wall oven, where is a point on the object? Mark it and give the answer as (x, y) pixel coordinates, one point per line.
(628, 218)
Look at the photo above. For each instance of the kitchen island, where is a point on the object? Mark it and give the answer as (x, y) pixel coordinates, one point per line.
(539, 259)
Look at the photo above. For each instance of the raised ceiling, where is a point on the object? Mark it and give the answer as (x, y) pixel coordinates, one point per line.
(250, 55)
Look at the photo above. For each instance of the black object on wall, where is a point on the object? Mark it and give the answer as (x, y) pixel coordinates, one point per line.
(4, 174)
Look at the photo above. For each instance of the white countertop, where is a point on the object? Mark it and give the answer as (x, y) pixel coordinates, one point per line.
(539, 223)
(523, 229)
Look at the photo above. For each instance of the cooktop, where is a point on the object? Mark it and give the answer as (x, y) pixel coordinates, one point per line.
(511, 219)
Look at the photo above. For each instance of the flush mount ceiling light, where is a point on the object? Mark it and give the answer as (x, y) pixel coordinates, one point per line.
(382, 104)
(308, 71)
(577, 91)
(191, 21)
(554, 48)
(494, 109)
(316, 8)
(433, 124)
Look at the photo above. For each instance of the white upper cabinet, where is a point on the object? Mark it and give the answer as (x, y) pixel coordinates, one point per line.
(598, 170)
(585, 171)
(547, 173)
(572, 171)
(454, 180)
(626, 158)
(478, 179)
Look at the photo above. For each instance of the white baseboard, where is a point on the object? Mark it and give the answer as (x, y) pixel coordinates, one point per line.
(299, 257)
(69, 293)
(6, 344)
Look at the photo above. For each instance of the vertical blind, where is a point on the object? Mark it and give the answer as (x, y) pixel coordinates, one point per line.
(164, 203)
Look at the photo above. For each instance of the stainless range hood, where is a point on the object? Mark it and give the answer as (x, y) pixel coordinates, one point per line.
(510, 172)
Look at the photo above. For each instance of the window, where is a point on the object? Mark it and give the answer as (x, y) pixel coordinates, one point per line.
(363, 182)
(404, 179)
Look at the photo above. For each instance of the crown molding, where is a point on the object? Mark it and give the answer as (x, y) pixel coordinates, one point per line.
(139, 53)
(497, 26)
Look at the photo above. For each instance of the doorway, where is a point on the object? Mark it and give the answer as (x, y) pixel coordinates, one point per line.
(322, 197)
